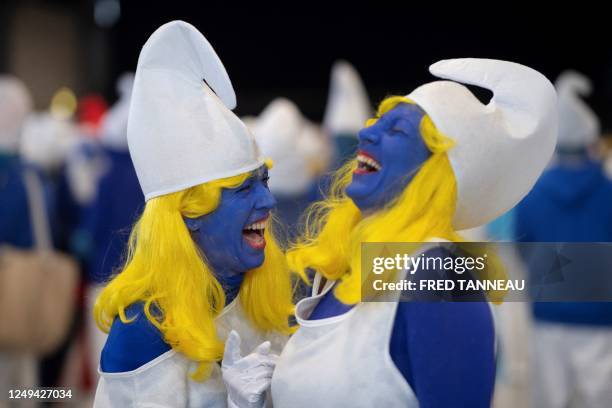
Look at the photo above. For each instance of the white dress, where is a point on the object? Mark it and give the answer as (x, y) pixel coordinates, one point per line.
(165, 381)
(341, 361)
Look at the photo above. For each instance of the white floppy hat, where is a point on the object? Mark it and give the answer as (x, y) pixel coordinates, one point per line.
(502, 147)
(578, 125)
(348, 106)
(181, 131)
(281, 133)
(15, 106)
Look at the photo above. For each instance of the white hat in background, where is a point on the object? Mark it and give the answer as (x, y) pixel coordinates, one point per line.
(348, 106)
(181, 131)
(316, 147)
(114, 123)
(47, 140)
(15, 106)
(249, 121)
(282, 134)
(502, 147)
(578, 125)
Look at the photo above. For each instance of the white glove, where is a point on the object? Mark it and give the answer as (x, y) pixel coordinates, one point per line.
(247, 378)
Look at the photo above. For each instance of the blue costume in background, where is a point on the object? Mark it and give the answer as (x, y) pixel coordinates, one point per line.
(15, 225)
(569, 204)
(289, 209)
(108, 220)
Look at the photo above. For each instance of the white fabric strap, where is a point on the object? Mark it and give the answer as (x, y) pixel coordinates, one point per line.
(38, 215)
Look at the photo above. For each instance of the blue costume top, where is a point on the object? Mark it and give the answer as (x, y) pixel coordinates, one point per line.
(131, 345)
(569, 204)
(118, 202)
(68, 211)
(436, 344)
(15, 225)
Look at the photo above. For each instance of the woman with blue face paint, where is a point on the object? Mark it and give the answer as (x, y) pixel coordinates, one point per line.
(429, 164)
(202, 264)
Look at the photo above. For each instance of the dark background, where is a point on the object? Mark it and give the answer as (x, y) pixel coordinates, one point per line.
(271, 53)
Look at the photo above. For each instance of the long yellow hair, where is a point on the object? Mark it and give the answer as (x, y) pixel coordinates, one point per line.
(335, 228)
(166, 269)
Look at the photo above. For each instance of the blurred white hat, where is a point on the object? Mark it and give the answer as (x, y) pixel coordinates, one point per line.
(348, 106)
(316, 147)
(578, 125)
(181, 131)
(114, 124)
(47, 140)
(249, 121)
(502, 147)
(15, 106)
(282, 135)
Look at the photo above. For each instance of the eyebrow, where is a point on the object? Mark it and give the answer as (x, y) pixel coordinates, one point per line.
(410, 119)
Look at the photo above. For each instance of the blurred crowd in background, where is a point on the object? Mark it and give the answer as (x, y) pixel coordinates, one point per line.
(69, 193)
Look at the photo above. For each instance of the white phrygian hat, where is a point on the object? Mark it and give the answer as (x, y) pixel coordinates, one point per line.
(578, 125)
(181, 131)
(15, 106)
(285, 135)
(502, 147)
(114, 124)
(348, 106)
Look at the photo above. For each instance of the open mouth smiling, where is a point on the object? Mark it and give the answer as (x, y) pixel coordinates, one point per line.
(366, 164)
(253, 233)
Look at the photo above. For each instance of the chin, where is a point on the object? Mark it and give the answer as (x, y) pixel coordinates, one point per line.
(356, 191)
(254, 266)
(253, 261)
(359, 194)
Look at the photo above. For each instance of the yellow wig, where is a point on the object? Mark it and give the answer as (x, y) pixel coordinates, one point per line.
(166, 269)
(335, 228)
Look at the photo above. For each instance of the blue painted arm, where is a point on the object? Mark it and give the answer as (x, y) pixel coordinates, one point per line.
(446, 352)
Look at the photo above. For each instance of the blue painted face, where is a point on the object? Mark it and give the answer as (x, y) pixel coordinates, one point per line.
(232, 236)
(390, 153)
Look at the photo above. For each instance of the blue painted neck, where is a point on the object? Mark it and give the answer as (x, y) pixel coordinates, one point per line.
(230, 282)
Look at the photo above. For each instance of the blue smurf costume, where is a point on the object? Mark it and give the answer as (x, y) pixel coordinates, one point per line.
(15, 226)
(429, 164)
(203, 266)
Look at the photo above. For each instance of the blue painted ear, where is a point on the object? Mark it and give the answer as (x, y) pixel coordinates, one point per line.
(193, 224)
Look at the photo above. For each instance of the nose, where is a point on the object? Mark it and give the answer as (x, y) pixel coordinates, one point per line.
(265, 199)
(369, 135)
